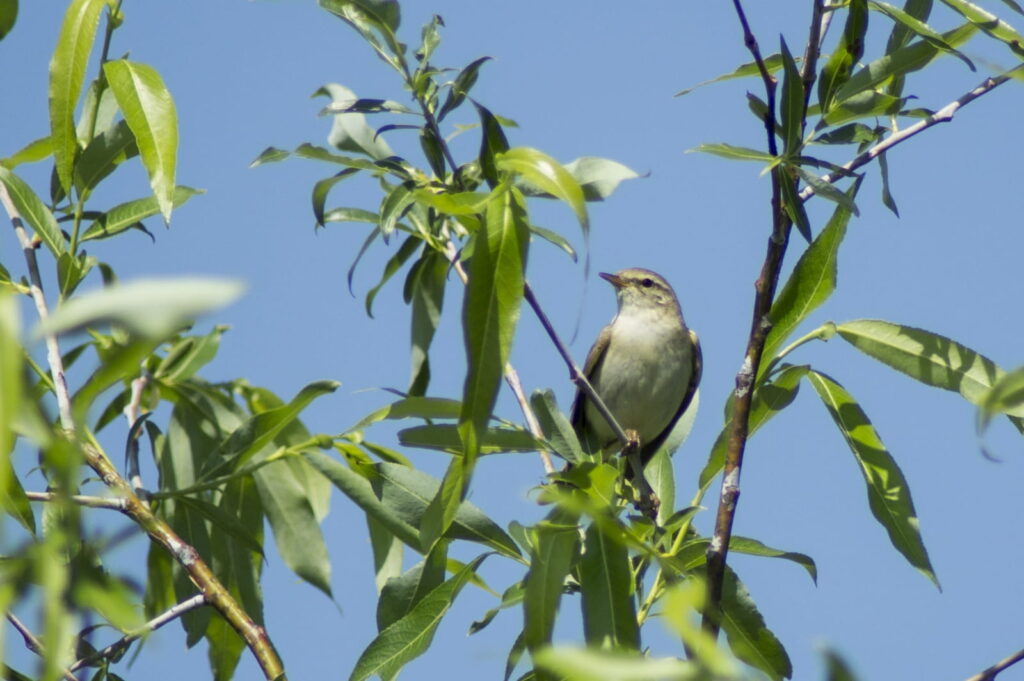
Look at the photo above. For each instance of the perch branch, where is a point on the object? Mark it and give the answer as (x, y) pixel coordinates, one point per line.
(134, 507)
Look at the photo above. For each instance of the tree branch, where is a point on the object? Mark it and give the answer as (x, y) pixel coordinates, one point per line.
(575, 374)
(81, 500)
(134, 507)
(31, 642)
(121, 644)
(1000, 666)
(943, 115)
(764, 287)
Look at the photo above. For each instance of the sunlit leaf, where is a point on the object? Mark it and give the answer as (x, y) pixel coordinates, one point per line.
(888, 492)
(149, 111)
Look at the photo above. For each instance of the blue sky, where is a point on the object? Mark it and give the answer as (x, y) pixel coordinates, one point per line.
(597, 79)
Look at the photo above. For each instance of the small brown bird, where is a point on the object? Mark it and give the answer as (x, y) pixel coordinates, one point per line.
(646, 366)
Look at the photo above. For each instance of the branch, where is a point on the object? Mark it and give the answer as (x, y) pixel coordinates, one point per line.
(121, 644)
(1002, 665)
(943, 115)
(131, 412)
(88, 502)
(134, 507)
(575, 374)
(31, 642)
(767, 282)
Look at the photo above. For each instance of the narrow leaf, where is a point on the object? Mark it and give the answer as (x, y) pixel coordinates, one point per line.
(34, 212)
(606, 583)
(888, 493)
(67, 73)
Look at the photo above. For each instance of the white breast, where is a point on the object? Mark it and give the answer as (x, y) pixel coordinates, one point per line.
(643, 376)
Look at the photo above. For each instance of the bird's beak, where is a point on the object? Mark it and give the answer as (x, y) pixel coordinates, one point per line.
(611, 279)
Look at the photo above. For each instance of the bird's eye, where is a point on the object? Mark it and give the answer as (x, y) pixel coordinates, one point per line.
(647, 282)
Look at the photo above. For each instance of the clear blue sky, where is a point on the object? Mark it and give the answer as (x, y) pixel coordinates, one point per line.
(585, 78)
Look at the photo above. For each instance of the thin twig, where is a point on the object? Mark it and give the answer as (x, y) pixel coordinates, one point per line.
(943, 115)
(33, 643)
(152, 625)
(575, 374)
(36, 286)
(199, 572)
(81, 500)
(131, 412)
(1000, 666)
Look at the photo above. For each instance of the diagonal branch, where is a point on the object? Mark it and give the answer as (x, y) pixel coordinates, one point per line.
(32, 642)
(160, 620)
(199, 572)
(943, 115)
(1000, 666)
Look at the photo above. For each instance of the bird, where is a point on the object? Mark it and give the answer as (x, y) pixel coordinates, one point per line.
(645, 365)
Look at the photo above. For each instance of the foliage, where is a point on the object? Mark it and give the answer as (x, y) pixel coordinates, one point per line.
(231, 455)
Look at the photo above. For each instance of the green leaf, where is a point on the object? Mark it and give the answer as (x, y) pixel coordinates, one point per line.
(735, 153)
(188, 356)
(555, 549)
(491, 311)
(394, 206)
(836, 71)
(812, 282)
(427, 280)
(149, 111)
(586, 664)
(606, 583)
(599, 177)
(747, 633)
(102, 156)
(900, 62)
(836, 668)
(794, 206)
(67, 73)
(221, 520)
(1006, 396)
(152, 308)
(407, 493)
(357, 488)
(32, 152)
(322, 188)
(128, 215)
(394, 263)
(404, 592)
(409, 637)
(12, 495)
(556, 427)
(753, 547)
(549, 176)
(388, 554)
(769, 399)
(772, 63)
(350, 131)
(866, 104)
(827, 190)
(8, 15)
(412, 407)
(792, 104)
(447, 438)
(492, 143)
(270, 155)
(556, 239)
(34, 212)
(888, 493)
(990, 24)
(928, 357)
(461, 86)
(887, 198)
(297, 534)
(915, 25)
(261, 429)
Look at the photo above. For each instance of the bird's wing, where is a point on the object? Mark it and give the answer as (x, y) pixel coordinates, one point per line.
(696, 368)
(594, 358)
